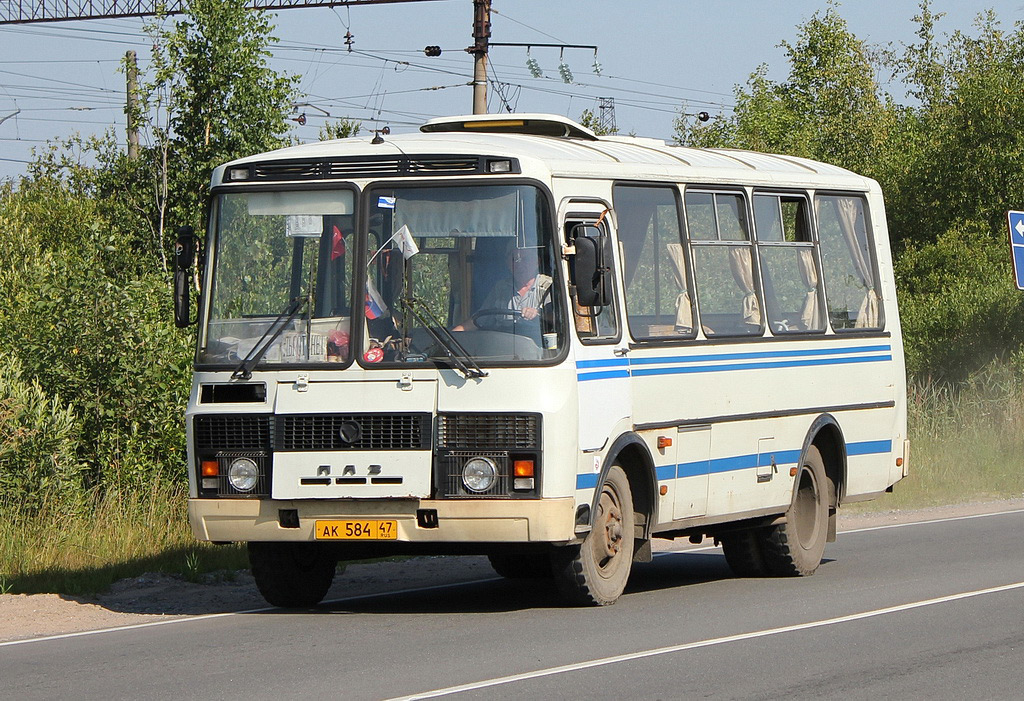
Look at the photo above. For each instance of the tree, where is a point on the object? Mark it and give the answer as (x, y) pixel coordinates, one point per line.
(589, 120)
(341, 129)
(830, 108)
(220, 97)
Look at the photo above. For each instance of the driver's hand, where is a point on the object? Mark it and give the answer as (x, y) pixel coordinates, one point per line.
(529, 313)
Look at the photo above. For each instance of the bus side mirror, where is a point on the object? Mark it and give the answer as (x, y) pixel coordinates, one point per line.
(590, 273)
(184, 255)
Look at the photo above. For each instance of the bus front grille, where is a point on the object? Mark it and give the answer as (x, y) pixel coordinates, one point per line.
(216, 432)
(322, 432)
(489, 431)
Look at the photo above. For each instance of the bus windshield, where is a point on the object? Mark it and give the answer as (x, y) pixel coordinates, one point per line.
(462, 272)
(455, 275)
(281, 284)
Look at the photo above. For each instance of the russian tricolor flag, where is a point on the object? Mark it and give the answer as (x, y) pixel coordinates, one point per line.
(375, 306)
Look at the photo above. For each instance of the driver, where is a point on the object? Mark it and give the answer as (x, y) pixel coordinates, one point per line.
(524, 291)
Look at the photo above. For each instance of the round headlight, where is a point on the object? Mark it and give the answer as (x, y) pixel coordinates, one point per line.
(243, 474)
(479, 474)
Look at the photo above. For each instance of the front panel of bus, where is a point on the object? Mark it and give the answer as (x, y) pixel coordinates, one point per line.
(391, 353)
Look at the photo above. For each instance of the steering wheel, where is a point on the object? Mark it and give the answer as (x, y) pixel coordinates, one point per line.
(496, 312)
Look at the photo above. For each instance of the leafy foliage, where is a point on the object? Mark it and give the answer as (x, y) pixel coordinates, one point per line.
(223, 99)
(950, 162)
(85, 281)
(38, 458)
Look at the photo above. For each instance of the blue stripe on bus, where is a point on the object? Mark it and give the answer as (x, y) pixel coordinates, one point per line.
(665, 472)
(868, 447)
(602, 363)
(757, 354)
(810, 362)
(768, 360)
(606, 375)
(701, 468)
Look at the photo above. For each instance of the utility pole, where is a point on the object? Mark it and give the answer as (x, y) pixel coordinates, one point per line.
(481, 36)
(131, 109)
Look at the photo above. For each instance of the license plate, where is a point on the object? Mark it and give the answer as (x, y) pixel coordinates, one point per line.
(372, 529)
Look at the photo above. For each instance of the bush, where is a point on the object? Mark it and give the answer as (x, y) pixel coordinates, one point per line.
(958, 304)
(39, 464)
(85, 313)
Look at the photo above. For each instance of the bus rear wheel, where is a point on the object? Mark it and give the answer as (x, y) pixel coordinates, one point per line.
(292, 575)
(594, 573)
(744, 552)
(795, 548)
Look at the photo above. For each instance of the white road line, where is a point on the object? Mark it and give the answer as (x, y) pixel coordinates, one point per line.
(934, 520)
(208, 616)
(550, 671)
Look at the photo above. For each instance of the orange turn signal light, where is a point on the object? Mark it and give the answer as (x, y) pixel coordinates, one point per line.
(664, 442)
(522, 468)
(210, 468)
(899, 462)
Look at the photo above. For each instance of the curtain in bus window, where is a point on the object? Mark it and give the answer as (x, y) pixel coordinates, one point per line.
(849, 209)
(684, 309)
(810, 315)
(483, 211)
(740, 264)
(634, 224)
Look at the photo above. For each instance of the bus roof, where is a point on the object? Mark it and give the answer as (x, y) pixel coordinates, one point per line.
(550, 145)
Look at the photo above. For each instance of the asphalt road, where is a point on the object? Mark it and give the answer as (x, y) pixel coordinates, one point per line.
(929, 610)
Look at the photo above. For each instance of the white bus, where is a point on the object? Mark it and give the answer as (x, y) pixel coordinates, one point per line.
(505, 335)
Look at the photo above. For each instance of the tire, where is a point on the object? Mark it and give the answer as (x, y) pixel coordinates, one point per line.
(292, 575)
(594, 573)
(795, 548)
(521, 565)
(744, 552)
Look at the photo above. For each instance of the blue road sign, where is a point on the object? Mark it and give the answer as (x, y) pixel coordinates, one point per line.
(1015, 220)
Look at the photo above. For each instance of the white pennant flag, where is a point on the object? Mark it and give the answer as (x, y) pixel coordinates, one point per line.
(406, 243)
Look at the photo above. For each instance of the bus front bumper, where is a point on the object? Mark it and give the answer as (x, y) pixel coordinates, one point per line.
(458, 521)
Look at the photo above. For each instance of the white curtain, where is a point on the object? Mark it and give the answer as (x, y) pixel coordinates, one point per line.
(740, 262)
(810, 315)
(867, 316)
(684, 310)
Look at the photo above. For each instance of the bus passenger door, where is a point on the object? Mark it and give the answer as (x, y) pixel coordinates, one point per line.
(602, 368)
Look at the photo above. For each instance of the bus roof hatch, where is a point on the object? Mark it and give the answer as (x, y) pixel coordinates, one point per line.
(535, 124)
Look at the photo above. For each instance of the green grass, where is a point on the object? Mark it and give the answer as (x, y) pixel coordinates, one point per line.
(120, 536)
(967, 444)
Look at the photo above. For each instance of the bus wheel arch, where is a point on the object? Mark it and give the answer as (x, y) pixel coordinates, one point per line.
(826, 435)
(630, 453)
(622, 510)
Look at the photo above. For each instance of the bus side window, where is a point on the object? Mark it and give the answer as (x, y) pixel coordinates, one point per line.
(723, 264)
(789, 272)
(847, 264)
(659, 304)
(597, 323)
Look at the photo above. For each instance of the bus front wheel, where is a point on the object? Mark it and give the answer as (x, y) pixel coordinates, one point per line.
(292, 575)
(594, 573)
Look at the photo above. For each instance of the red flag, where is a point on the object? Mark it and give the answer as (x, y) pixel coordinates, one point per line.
(337, 244)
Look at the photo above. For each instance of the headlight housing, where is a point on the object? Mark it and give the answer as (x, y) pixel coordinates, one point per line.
(243, 474)
(479, 474)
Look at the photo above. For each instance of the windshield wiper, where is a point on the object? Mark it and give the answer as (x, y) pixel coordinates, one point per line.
(458, 355)
(277, 326)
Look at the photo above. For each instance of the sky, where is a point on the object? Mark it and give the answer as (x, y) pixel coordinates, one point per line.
(656, 57)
